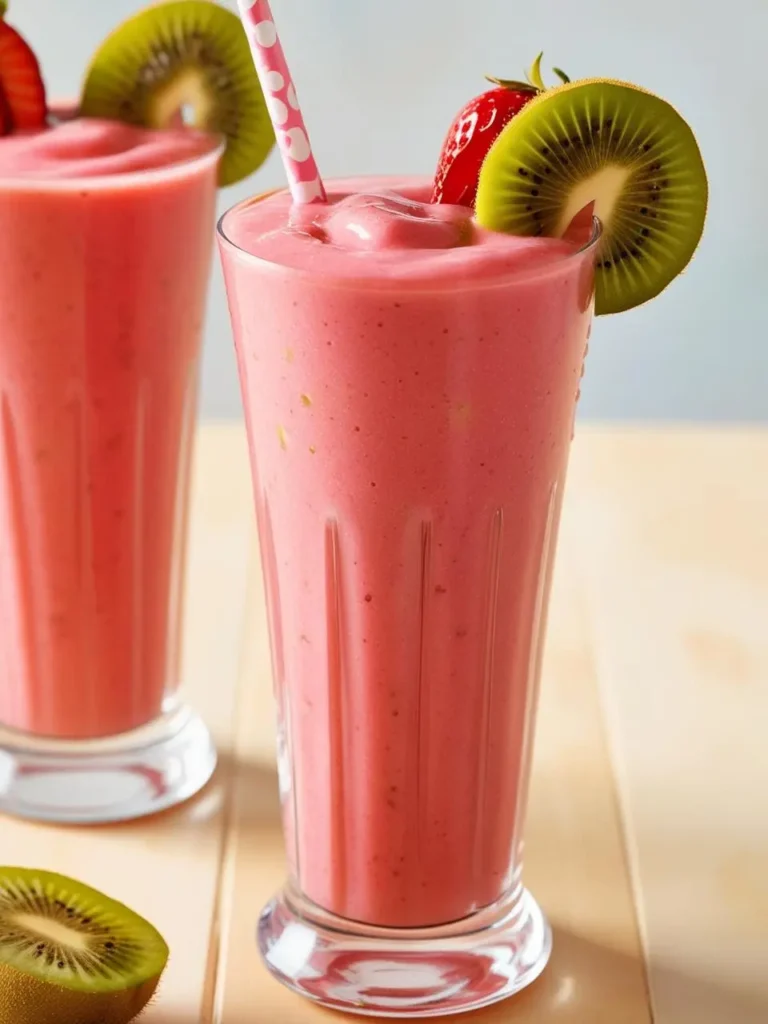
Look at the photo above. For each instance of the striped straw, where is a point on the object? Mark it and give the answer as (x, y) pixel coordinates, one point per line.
(293, 141)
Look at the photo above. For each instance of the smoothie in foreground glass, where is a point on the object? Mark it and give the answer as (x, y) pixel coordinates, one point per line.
(408, 482)
(105, 249)
(410, 354)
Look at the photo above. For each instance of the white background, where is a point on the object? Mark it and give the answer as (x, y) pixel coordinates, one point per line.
(380, 82)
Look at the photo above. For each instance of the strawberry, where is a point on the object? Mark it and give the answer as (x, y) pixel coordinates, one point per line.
(5, 115)
(21, 84)
(474, 130)
(469, 138)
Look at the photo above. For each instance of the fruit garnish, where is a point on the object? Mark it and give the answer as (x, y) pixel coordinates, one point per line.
(620, 147)
(474, 130)
(184, 63)
(70, 954)
(5, 113)
(22, 91)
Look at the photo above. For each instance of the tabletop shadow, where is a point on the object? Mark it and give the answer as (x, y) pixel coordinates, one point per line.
(581, 981)
(249, 788)
(585, 983)
(245, 790)
(254, 789)
(588, 982)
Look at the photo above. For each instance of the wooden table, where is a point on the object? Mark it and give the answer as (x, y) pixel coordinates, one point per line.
(648, 830)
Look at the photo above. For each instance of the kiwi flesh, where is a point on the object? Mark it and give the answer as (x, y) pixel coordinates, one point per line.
(186, 62)
(613, 144)
(70, 955)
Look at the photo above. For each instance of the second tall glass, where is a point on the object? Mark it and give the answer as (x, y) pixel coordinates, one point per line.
(103, 280)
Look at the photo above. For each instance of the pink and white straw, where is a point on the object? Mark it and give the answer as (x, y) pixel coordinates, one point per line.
(292, 138)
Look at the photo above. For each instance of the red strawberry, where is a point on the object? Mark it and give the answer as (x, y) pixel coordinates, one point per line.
(474, 130)
(5, 116)
(21, 83)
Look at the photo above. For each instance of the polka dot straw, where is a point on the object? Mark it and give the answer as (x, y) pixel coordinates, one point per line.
(280, 94)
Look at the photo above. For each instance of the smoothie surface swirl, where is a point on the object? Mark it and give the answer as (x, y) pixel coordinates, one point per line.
(93, 148)
(388, 229)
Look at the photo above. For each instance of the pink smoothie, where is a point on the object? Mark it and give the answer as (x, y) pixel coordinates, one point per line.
(410, 384)
(105, 240)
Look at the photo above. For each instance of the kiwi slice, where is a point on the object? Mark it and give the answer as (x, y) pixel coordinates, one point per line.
(186, 62)
(619, 146)
(70, 954)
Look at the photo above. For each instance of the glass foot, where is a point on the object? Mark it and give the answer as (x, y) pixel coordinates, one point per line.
(414, 972)
(114, 779)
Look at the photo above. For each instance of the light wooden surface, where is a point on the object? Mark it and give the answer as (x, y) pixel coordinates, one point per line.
(648, 829)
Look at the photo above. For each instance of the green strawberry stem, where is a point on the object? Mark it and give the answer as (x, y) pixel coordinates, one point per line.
(534, 74)
(507, 83)
(535, 81)
(3, 8)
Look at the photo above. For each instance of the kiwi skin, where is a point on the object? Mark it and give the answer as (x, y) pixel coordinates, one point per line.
(30, 997)
(26, 1000)
(530, 174)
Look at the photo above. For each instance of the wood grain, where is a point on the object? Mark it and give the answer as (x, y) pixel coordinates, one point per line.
(647, 829)
(673, 527)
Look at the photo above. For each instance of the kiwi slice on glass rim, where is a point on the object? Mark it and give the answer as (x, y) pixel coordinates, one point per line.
(613, 144)
(71, 955)
(184, 63)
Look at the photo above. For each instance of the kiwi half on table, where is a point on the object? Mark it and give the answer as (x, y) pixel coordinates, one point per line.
(619, 146)
(186, 62)
(70, 955)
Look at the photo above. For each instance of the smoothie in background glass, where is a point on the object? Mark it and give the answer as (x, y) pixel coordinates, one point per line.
(104, 261)
(106, 217)
(105, 246)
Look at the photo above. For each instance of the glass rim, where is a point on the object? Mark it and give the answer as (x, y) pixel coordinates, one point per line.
(122, 179)
(498, 280)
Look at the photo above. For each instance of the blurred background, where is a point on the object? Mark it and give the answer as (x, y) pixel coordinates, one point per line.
(380, 83)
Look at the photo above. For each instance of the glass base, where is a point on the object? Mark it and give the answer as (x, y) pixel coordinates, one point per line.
(114, 779)
(411, 973)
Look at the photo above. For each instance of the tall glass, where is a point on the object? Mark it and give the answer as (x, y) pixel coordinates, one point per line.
(409, 449)
(102, 290)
